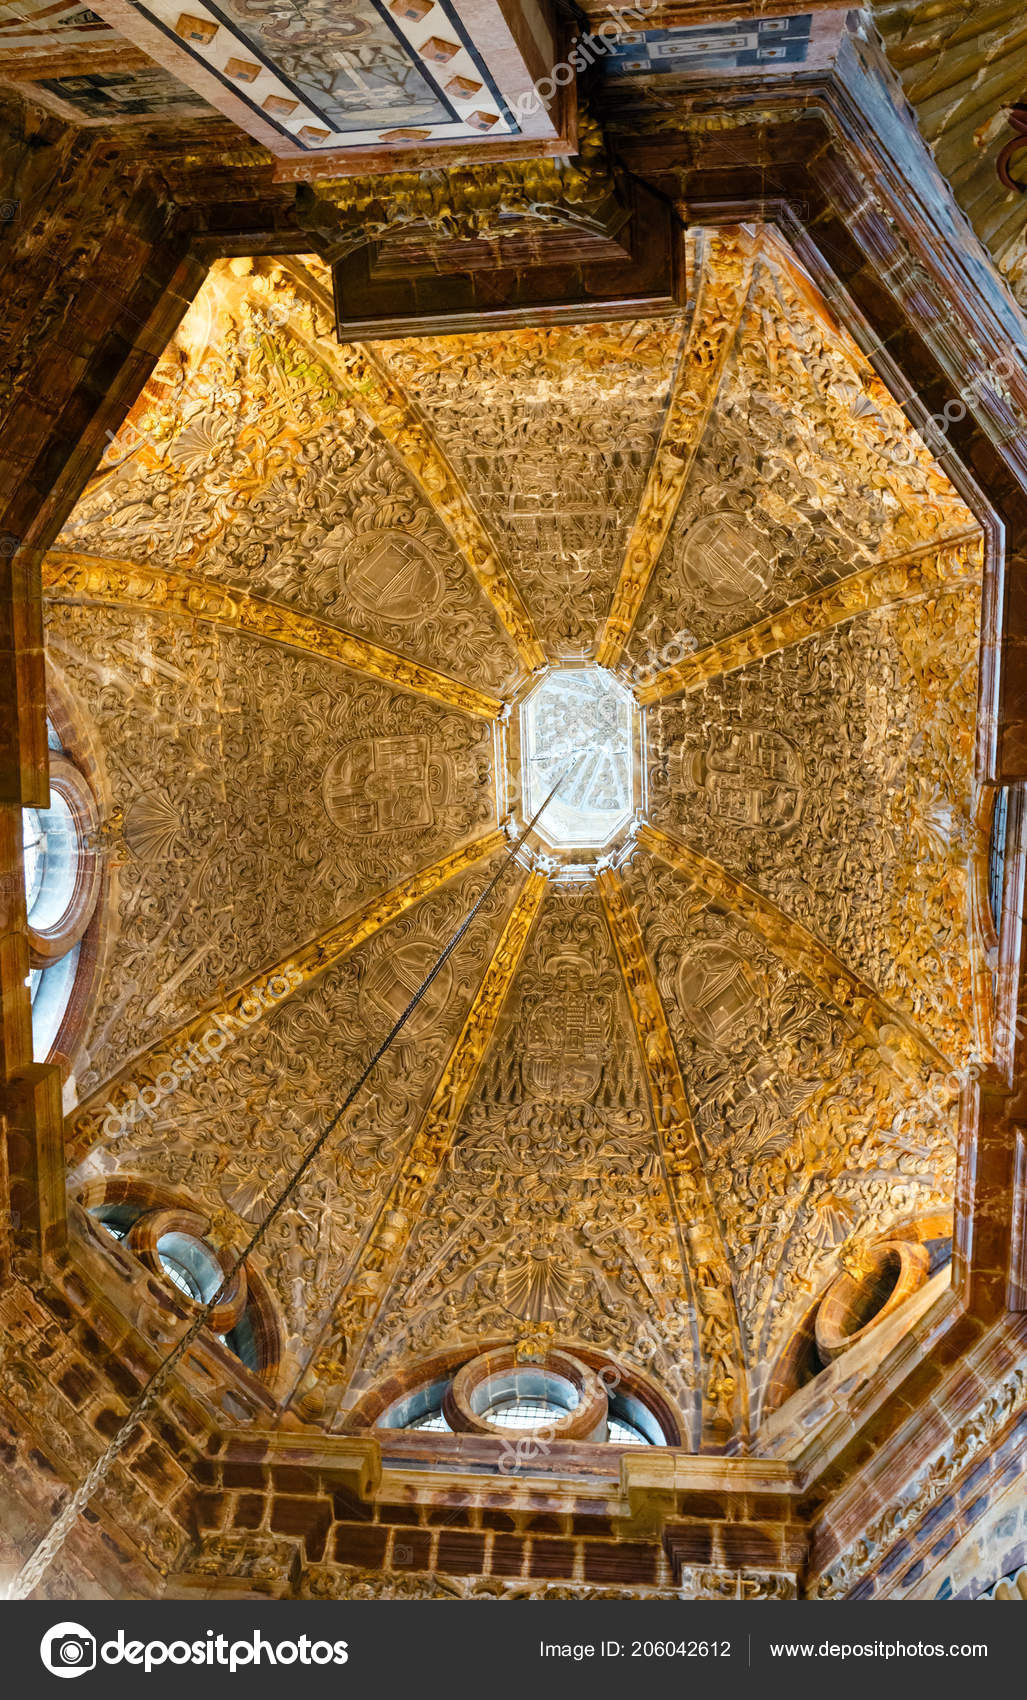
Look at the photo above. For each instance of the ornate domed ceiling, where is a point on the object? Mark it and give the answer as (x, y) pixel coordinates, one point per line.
(646, 1109)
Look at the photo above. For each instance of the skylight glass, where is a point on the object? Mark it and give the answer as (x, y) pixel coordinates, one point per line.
(577, 727)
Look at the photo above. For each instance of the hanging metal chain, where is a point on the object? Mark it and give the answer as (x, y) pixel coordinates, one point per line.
(39, 1562)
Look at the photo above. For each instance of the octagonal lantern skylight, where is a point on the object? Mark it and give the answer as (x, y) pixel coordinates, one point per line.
(578, 727)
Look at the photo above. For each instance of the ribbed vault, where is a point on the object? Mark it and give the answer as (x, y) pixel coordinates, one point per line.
(647, 1112)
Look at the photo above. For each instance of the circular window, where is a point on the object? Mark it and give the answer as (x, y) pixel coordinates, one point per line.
(529, 1397)
(62, 883)
(164, 1243)
(495, 1393)
(859, 1301)
(187, 1262)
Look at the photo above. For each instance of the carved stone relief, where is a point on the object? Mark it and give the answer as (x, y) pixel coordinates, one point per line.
(806, 1130)
(238, 768)
(553, 1209)
(552, 432)
(645, 1115)
(768, 515)
(254, 469)
(835, 777)
(229, 1137)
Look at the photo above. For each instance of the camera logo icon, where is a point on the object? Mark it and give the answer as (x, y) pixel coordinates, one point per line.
(67, 1650)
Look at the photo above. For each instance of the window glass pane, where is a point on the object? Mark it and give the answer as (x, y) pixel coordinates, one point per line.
(33, 851)
(433, 1420)
(524, 1412)
(179, 1274)
(187, 1261)
(55, 851)
(51, 990)
(625, 1434)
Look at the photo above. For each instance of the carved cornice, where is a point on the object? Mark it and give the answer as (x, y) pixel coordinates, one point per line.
(464, 201)
(118, 1097)
(923, 572)
(369, 1280)
(381, 400)
(725, 1380)
(800, 949)
(725, 276)
(905, 1509)
(92, 578)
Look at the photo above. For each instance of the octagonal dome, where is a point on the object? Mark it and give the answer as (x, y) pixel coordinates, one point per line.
(328, 662)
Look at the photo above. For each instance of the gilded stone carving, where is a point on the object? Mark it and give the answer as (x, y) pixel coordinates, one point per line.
(767, 518)
(259, 464)
(553, 1212)
(89, 579)
(725, 268)
(717, 989)
(927, 572)
(649, 1114)
(235, 1012)
(260, 1103)
(781, 1087)
(369, 381)
(552, 432)
(216, 750)
(834, 779)
(368, 1283)
(466, 201)
(725, 1379)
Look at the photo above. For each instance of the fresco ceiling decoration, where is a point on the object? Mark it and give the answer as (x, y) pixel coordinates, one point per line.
(311, 81)
(651, 1109)
(78, 65)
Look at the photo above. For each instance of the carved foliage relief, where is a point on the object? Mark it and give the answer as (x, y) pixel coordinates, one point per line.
(553, 1211)
(836, 778)
(249, 463)
(236, 770)
(255, 793)
(808, 1132)
(808, 471)
(234, 1131)
(552, 432)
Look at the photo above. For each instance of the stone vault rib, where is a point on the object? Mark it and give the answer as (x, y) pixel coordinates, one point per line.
(725, 1381)
(385, 404)
(799, 949)
(69, 577)
(724, 287)
(120, 1095)
(370, 1278)
(923, 572)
